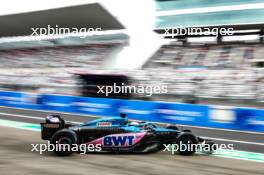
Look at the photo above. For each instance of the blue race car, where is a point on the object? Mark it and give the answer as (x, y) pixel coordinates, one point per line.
(118, 134)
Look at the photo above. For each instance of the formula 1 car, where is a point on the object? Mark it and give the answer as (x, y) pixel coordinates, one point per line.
(118, 134)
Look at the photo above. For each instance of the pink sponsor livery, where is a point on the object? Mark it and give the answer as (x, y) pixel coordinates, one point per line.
(119, 140)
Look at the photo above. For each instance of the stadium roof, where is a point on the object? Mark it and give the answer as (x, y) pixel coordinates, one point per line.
(17, 31)
(163, 5)
(82, 16)
(240, 14)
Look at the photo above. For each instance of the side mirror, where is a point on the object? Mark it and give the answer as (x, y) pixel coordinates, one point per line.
(122, 115)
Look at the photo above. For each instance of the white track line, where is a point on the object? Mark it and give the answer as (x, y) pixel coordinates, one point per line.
(236, 141)
(50, 111)
(221, 129)
(30, 117)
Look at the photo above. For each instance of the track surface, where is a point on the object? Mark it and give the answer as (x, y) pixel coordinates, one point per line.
(16, 157)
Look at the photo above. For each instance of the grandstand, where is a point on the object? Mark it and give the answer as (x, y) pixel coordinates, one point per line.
(48, 63)
(211, 68)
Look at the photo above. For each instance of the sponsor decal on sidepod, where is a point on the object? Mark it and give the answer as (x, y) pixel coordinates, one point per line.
(119, 140)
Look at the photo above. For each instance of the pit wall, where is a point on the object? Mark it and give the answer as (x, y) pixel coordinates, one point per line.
(235, 118)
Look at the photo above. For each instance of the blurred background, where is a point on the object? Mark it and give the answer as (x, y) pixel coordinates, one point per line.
(196, 69)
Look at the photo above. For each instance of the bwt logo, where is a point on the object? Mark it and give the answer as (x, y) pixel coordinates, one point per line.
(118, 140)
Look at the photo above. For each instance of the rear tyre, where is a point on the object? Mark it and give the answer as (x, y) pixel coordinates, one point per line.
(212, 147)
(186, 130)
(187, 144)
(64, 140)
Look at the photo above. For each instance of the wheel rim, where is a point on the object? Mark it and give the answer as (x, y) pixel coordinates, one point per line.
(187, 141)
(64, 140)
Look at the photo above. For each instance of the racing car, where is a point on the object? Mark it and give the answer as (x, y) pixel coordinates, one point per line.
(118, 134)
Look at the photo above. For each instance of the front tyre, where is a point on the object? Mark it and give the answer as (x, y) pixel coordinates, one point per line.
(173, 127)
(64, 140)
(211, 147)
(187, 143)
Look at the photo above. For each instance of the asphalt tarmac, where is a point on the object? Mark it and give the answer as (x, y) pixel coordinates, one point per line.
(16, 158)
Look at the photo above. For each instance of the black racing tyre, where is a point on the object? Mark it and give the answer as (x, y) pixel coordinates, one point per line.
(186, 130)
(211, 147)
(64, 139)
(187, 143)
(174, 127)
